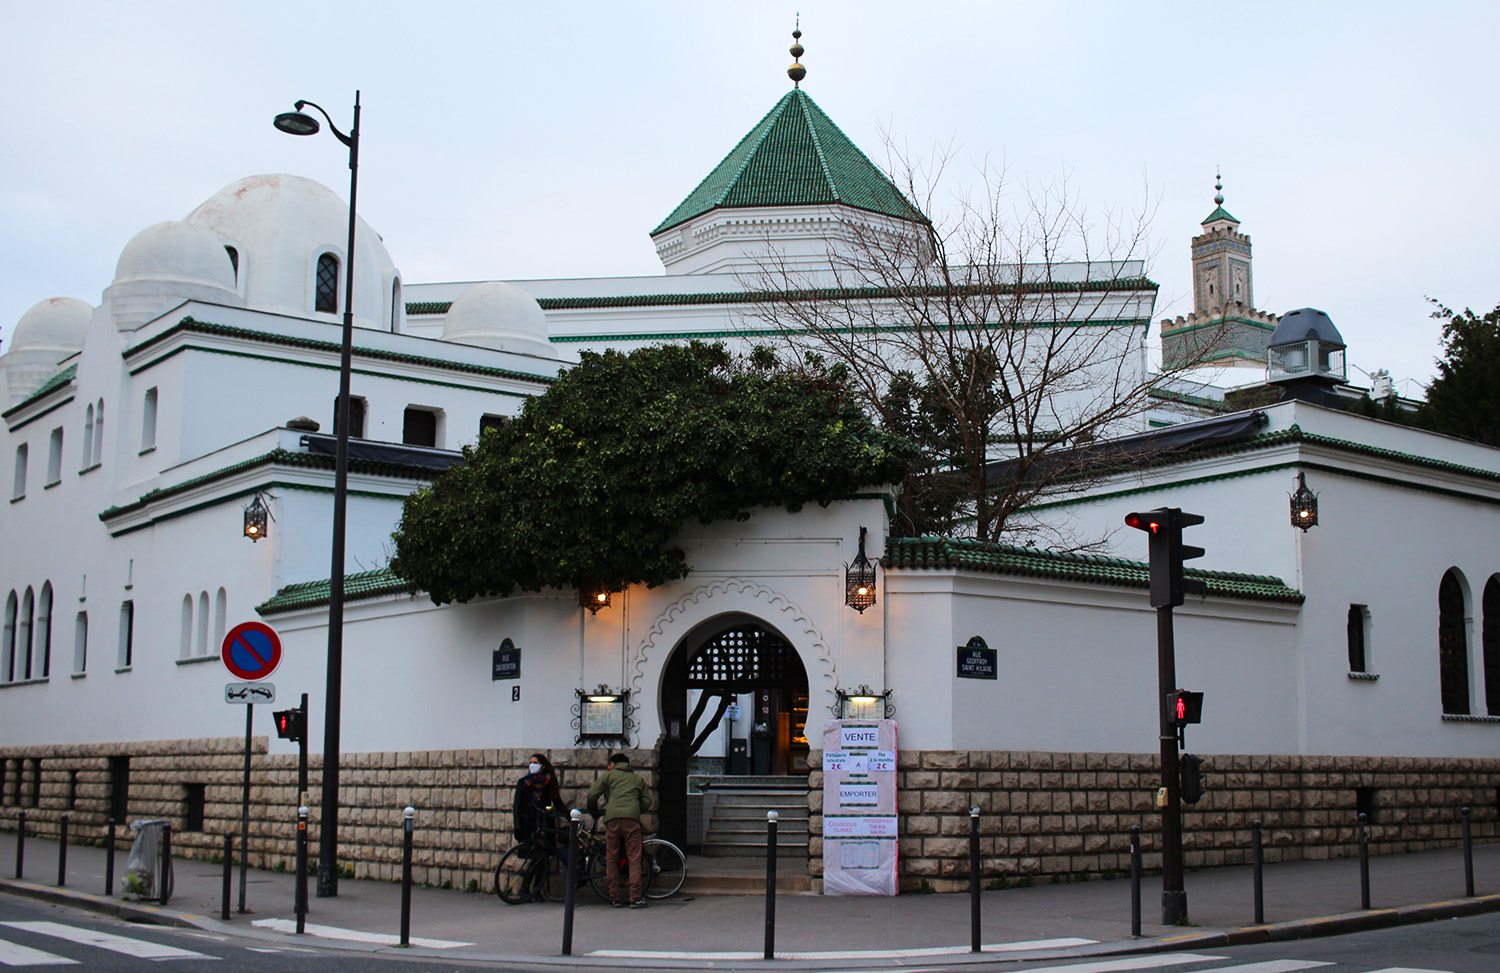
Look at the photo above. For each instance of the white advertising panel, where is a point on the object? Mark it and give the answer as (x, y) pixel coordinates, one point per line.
(859, 807)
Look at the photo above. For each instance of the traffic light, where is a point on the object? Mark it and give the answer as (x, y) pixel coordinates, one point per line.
(1192, 778)
(1164, 526)
(291, 724)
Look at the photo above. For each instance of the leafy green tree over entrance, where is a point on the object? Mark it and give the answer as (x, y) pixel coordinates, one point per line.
(588, 486)
(1464, 399)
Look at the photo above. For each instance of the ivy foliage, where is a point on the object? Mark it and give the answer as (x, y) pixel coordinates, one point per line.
(589, 485)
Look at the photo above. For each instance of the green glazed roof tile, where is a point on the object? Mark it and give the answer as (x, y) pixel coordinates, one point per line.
(310, 594)
(1219, 214)
(795, 156)
(61, 378)
(915, 553)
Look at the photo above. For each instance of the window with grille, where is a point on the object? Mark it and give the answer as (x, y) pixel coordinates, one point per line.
(328, 284)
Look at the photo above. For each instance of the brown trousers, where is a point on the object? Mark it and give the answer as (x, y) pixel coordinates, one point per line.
(625, 830)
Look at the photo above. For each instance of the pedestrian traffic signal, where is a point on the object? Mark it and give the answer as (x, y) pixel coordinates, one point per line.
(1192, 778)
(1164, 527)
(291, 724)
(1185, 706)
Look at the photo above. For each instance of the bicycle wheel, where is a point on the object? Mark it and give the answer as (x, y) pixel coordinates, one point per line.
(597, 869)
(516, 875)
(552, 877)
(666, 867)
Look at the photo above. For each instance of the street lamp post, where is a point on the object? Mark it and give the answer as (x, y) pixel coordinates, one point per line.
(296, 123)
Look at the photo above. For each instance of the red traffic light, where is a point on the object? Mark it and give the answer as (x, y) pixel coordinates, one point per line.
(1148, 522)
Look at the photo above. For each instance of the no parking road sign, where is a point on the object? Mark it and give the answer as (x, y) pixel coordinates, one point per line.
(251, 651)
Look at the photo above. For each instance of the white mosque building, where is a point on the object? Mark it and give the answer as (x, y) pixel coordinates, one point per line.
(1351, 664)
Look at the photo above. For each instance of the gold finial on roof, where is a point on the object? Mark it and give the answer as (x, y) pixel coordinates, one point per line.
(796, 72)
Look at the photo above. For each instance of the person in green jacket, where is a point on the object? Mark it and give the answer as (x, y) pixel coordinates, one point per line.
(625, 796)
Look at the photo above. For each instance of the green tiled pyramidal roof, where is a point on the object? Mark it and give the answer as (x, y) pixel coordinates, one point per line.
(969, 555)
(1219, 214)
(795, 156)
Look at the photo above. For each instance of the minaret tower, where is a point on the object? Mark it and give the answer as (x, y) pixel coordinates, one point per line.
(1224, 328)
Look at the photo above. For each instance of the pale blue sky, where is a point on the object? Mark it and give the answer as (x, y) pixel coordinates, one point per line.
(508, 140)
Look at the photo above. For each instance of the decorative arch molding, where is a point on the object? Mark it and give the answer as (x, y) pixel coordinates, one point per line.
(678, 620)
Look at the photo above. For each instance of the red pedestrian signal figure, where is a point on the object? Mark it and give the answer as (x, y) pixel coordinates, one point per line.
(291, 724)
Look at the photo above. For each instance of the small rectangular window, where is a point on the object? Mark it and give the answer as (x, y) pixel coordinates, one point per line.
(127, 635)
(119, 788)
(18, 490)
(34, 793)
(1358, 636)
(54, 457)
(356, 417)
(194, 799)
(72, 801)
(420, 427)
(148, 421)
(490, 422)
(1365, 803)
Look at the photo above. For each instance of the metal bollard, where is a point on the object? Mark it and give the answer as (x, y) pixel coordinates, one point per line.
(62, 850)
(409, 813)
(1135, 880)
(1258, 861)
(771, 817)
(1468, 858)
(164, 883)
(109, 859)
(299, 895)
(975, 878)
(228, 873)
(21, 844)
(570, 890)
(1364, 860)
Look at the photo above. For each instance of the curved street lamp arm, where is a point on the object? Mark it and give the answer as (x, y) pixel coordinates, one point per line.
(346, 139)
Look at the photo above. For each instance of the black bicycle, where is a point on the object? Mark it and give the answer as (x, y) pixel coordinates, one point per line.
(536, 869)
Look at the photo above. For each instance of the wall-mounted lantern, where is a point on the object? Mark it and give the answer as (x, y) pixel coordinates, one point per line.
(859, 579)
(1304, 505)
(257, 518)
(593, 597)
(863, 703)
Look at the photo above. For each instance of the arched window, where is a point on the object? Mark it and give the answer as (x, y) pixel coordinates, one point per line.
(221, 617)
(98, 455)
(44, 632)
(1453, 645)
(234, 261)
(1490, 639)
(24, 635)
(88, 437)
(396, 306)
(327, 299)
(203, 623)
(185, 637)
(8, 641)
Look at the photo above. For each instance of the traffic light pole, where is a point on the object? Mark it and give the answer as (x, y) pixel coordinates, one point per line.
(1173, 895)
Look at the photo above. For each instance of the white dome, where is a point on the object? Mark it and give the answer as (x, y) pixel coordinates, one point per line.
(176, 252)
(280, 225)
(500, 316)
(56, 324)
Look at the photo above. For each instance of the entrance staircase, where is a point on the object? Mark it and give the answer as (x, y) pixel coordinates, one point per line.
(733, 854)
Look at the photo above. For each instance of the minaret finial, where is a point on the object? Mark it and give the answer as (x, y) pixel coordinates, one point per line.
(797, 72)
(1218, 187)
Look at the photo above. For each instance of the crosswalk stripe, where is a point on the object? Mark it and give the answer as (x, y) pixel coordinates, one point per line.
(352, 935)
(139, 948)
(14, 954)
(1271, 966)
(1150, 962)
(1406, 969)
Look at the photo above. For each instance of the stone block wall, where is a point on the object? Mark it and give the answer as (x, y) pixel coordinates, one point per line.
(462, 798)
(1061, 816)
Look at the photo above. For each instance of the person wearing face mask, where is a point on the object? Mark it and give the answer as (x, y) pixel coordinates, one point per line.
(538, 801)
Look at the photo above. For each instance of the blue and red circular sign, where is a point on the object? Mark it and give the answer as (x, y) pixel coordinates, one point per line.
(251, 650)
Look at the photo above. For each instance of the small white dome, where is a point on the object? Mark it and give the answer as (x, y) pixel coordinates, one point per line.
(56, 324)
(280, 225)
(500, 316)
(176, 252)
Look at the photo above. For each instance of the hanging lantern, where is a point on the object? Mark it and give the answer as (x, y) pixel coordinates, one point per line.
(1304, 505)
(593, 598)
(859, 579)
(257, 518)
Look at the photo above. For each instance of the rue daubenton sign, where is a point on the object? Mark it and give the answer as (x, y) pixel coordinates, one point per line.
(506, 662)
(977, 660)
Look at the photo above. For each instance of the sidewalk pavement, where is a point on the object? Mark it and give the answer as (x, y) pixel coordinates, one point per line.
(692, 930)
